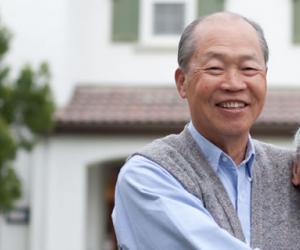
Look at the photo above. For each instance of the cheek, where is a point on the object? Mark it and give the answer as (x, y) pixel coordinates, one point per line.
(258, 87)
(206, 88)
(261, 92)
(201, 87)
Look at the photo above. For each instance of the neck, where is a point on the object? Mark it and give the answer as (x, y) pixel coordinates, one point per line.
(235, 147)
(237, 153)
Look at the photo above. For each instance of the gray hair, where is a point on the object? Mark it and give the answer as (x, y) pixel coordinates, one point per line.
(186, 45)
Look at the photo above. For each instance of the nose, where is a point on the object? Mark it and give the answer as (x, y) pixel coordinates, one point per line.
(233, 81)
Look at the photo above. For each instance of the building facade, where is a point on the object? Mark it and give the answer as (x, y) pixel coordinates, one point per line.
(113, 63)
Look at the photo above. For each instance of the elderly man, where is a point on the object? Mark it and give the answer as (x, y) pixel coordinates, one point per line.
(212, 186)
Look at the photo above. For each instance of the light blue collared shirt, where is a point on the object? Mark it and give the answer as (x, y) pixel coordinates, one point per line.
(153, 210)
(236, 179)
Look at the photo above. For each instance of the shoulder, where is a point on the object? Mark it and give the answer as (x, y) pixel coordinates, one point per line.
(172, 150)
(140, 172)
(165, 144)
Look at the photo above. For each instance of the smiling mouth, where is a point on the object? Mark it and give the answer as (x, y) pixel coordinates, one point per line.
(232, 105)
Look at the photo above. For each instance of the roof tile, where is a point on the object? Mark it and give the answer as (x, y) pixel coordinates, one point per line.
(98, 107)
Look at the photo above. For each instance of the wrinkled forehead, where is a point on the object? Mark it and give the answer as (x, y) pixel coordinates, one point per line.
(226, 29)
(224, 22)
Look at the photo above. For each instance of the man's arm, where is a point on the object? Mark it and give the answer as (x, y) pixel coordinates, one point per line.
(153, 211)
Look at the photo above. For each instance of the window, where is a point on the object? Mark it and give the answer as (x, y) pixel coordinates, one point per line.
(162, 21)
(156, 22)
(168, 18)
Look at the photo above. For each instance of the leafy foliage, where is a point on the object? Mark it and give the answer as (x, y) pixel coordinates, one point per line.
(26, 109)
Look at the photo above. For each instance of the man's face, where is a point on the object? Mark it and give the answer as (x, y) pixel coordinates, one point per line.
(225, 83)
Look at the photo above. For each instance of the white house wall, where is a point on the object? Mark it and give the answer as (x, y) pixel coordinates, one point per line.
(14, 236)
(40, 33)
(74, 36)
(60, 190)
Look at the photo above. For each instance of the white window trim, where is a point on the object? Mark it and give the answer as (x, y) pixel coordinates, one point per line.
(147, 38)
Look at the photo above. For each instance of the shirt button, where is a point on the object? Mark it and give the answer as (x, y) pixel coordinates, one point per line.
(224, 159)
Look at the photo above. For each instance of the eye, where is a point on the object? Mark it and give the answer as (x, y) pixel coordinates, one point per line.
(249, 71)
(214, 70)
(248, 68)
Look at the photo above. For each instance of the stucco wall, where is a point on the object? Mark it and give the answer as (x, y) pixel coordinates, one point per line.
(60, 202)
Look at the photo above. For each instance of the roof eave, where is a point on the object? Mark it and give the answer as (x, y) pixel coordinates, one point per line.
(259, 128)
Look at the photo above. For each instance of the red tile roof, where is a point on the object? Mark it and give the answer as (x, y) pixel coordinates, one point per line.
(146, 109)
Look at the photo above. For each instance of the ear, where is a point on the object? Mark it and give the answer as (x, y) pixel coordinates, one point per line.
(180, 82)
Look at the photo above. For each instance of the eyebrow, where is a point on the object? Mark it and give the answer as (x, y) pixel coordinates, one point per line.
(221, 56)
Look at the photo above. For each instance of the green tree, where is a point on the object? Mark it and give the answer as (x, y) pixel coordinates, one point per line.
(26, 111)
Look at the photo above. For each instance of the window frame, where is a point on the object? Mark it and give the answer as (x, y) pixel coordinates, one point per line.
(147, 37)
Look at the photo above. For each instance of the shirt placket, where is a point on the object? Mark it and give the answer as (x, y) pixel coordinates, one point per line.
(243, 200)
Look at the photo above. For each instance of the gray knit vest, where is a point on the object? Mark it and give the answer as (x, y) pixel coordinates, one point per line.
(275, 202)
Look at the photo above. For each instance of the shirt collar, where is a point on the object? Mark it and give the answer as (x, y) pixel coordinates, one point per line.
(250, 157)
(213, 154)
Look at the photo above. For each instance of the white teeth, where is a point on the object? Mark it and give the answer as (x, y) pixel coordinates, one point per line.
(232, 104)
